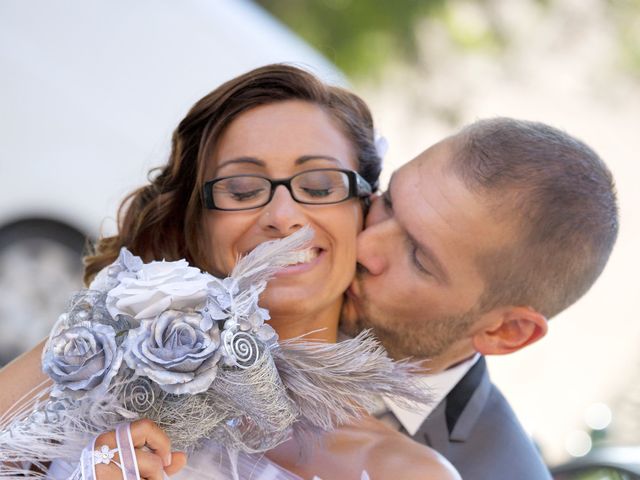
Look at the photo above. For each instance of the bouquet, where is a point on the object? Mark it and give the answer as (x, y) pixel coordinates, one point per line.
(194, 353)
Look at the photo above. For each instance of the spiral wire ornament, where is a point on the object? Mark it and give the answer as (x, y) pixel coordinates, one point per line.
(139, 395)
(245, 349)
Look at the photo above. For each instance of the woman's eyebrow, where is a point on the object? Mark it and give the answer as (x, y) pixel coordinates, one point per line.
(250, 160)
(262, 163)
(307, 158)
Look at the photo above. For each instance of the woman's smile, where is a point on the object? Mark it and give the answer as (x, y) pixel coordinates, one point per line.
(305, 261)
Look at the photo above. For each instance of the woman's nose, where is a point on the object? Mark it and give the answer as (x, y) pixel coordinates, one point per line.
(282, 215)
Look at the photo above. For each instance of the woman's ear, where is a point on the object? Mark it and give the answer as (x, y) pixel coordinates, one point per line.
(509, 330)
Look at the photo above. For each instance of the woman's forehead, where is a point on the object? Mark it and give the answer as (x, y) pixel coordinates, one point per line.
(283, 133)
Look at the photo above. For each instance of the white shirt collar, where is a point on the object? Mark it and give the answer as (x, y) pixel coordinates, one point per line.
(439, 385)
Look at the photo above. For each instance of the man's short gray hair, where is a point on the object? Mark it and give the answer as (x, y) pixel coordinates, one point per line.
(559, 197)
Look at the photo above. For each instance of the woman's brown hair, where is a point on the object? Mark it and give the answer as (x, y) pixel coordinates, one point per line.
(162, 220)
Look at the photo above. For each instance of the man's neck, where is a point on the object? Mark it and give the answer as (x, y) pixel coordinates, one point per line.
(441, 364)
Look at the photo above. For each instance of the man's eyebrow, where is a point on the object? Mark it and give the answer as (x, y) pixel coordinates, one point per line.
(425, 250)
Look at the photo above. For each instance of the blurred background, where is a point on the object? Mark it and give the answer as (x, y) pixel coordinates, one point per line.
(90, 92)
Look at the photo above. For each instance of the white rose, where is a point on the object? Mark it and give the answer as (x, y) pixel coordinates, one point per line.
(157, 287)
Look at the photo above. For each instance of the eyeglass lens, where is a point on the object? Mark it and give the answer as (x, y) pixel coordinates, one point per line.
(316, 186)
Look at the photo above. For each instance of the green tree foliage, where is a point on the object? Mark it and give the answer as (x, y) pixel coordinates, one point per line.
(362, 36)
(359, 36)
(627, 16)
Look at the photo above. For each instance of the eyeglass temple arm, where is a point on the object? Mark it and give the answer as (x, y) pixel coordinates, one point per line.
(363, 187)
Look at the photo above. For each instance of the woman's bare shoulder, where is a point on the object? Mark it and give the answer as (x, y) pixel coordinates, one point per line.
(370, 445)
(392, 452)
(414, 460)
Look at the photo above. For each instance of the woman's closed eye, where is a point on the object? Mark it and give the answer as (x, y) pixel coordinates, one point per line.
(317, 192)
(322, 188)
(240, 195)
(241, 188)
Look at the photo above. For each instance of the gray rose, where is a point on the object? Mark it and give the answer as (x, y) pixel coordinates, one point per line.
(82, 359)
(177, 350)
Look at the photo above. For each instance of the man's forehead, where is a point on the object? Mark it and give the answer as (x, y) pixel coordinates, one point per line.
(434, 205)
(437, 156)
(418, 174)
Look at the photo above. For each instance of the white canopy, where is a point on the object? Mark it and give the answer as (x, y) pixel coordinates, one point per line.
(91, 90)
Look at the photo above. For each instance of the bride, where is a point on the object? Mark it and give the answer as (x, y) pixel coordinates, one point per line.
(255, 160)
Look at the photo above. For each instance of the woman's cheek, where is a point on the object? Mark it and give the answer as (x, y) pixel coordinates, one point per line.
(353, 225)
(219, 247)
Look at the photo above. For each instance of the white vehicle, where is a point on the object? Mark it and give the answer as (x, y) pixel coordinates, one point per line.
(90, 92)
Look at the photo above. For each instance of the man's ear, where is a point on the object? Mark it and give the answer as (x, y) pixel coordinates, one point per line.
(509, 329)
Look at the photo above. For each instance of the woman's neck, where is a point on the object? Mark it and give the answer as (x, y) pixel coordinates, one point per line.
(318, 326)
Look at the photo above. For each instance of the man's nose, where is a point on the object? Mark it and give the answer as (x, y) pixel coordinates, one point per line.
(282, 215)
(374, 247)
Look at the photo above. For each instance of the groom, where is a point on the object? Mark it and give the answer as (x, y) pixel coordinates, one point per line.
(476, 244)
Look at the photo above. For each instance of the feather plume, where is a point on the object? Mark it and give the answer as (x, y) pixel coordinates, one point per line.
(333, 384)
(256, 268)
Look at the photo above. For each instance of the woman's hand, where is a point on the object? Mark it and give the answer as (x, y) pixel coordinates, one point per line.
(152, 450)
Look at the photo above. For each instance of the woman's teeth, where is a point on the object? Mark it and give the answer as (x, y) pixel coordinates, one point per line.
(304, 256)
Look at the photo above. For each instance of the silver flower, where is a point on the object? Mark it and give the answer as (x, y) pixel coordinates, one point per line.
(125, 266)
(82, 359)
(254, 324)
(177, 350)
(220, 303)
(157, 287)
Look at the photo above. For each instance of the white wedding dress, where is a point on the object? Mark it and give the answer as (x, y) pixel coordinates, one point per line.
(211, 462)
(203, 464)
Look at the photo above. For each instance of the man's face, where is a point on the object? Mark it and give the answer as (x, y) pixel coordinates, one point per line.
(418, 284)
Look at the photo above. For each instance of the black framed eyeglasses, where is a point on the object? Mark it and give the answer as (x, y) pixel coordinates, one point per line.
(322, 186)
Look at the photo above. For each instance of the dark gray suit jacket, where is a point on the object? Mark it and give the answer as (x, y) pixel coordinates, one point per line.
(476, 430)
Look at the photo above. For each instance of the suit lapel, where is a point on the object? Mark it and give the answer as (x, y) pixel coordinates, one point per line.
(453, 419)
(466, 401)
(433, 432)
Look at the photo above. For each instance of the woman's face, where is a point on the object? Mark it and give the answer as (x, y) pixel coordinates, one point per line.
(277, 141)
